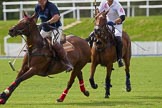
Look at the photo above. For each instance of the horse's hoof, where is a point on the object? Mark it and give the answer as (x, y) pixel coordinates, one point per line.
(59, 100)
(95, 86)
(86, 93)
(110, 85)
(112, 68)
(128, 89)
(2, 101)
(107, 96)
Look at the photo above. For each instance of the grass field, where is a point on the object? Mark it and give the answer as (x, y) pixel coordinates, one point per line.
(39, 92)
(139, 29)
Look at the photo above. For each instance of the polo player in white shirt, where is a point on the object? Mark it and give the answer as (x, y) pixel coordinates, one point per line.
(115, 17)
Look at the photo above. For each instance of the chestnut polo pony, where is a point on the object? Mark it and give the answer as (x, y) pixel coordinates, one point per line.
(104, 52)
(39, 59)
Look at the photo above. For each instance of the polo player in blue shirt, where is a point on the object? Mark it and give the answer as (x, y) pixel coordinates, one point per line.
(49, 15)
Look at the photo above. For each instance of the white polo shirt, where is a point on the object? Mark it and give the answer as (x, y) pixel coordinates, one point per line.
(115, 11)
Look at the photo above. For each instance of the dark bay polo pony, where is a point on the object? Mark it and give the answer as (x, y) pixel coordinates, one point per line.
(39, 61)
(104, 52)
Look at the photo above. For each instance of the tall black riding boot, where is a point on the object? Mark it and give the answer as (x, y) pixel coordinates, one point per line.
(119, 46)
(62, 55)
(90, 39)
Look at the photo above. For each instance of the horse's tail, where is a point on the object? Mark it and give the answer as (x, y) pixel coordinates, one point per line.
(128, 41)
(129, 50)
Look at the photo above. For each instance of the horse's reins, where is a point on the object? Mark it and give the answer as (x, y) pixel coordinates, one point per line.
(107, 27)
(56, 35)
(20, 32)
(113, 30)
(28, 53)
(134, 42)
(28, 24)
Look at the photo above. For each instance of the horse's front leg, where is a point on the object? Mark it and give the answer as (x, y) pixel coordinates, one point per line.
(9, 90)
(108, 80)
(92, 72)
(24, 67)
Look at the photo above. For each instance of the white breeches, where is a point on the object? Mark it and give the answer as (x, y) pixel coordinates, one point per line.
(118, 30)
(55, 34)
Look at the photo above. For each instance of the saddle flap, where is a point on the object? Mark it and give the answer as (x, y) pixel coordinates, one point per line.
(68, 46)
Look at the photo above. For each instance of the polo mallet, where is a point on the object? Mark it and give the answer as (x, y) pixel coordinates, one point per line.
(11, 65)
(13, 62)
(95, 5)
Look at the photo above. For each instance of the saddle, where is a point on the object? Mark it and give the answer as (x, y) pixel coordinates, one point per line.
(65, 44)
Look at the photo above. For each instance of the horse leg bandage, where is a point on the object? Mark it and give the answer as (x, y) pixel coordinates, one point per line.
(82, 88)
(62, 97)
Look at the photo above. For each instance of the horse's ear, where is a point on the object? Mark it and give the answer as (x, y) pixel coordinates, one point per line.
(96, 11)
(106, 12)
(34, 17)
(24, 14)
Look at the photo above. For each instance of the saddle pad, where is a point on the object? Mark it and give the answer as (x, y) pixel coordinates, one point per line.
(68, 46)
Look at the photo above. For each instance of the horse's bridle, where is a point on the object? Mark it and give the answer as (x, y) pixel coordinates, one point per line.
(22, 31)
(103, 34)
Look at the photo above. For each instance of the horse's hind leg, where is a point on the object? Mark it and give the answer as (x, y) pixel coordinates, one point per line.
(81, 83)
(76, 72)
(92, 72)
(70, 82)
(108, 81)
(127, 65)
(8, 91)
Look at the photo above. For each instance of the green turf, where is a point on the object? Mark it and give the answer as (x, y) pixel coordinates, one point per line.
(41, 92)
(139, 28)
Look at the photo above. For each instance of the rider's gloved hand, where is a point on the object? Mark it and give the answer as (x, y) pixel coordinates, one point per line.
(45, 24)
(111, 23)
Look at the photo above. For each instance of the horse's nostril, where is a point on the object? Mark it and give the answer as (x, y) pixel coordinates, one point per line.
(11, 30)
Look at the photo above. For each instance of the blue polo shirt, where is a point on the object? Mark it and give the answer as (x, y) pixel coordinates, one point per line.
(49, 11)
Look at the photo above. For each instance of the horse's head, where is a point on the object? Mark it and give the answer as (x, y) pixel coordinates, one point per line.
(100, 19)
(101, 30)
(23, 27)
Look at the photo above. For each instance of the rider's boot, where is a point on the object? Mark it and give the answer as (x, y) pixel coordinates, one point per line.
(63, 56)
(119, 46)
